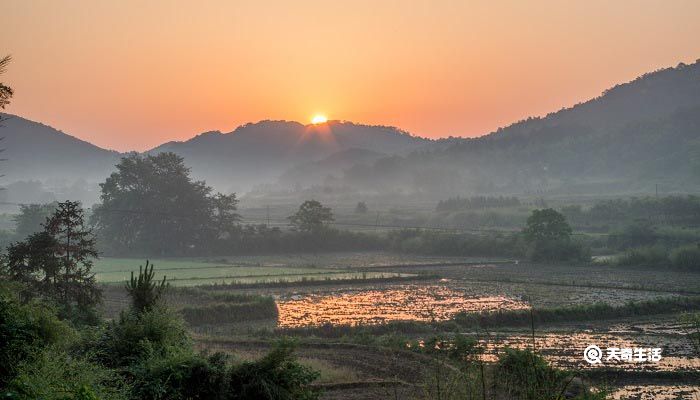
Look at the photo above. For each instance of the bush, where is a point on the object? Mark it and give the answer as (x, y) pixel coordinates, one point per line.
(687, 257)
(558, 250)
(277, 376)
(53, 374)
(256, 308)
(138, 335)
(180, 375)
(24, 329)
(647, 256)
(525, 375)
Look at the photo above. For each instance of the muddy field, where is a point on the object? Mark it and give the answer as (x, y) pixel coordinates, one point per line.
(360, 368)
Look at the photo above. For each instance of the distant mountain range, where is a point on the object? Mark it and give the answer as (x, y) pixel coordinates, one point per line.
(632, 137)
(260, 152)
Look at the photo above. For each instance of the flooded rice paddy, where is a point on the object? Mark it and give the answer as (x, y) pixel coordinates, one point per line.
(374, 306)
(565, 350)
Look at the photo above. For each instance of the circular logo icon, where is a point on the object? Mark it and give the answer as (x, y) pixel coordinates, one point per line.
(593, 354)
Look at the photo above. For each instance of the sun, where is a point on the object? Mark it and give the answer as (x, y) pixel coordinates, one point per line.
(319, 119)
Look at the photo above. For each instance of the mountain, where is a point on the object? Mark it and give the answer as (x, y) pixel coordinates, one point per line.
(259, 152)
(49, 164)
(631, 138)
(334, 165)
(34, 151)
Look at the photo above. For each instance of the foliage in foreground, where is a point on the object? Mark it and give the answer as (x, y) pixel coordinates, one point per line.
(145, 354)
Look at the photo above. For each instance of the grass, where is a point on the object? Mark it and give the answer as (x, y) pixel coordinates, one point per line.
(193, 272)
(252, 309)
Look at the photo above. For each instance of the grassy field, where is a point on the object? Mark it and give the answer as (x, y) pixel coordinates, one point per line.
(193, 272)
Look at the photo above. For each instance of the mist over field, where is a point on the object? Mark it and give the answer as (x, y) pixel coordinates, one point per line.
(635, 136)
(412, 251)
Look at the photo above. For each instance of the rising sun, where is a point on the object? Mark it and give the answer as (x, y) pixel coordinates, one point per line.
(319, 119)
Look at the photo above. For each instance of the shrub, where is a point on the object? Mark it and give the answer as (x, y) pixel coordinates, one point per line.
(25, 328)
(180, 375)
(53, 374)
(558, 250)
(138, 335)
(687, 257)
(256, 308)
(277, 376)
(525, 375)
(648, 256)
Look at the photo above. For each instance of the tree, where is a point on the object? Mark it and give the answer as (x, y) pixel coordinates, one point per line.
(151, 205)
(144, 291)
(547, 224)
(57, 262)
(361, 208)
(6, 92)
(31, 218)
(311, 217)
(549, 238)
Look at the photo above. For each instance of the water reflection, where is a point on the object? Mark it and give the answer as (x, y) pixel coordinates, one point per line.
(410, 303)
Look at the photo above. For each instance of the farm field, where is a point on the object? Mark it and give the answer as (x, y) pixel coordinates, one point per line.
(314, 292)
(192, 272)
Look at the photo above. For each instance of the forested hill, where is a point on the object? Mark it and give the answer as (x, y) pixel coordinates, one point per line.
(632, 137)
(34, 151)
(260, 152)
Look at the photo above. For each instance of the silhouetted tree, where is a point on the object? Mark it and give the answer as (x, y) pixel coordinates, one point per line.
(57, 262)
(6, 92)
(311, 217)
(151, 205)
(361, 208)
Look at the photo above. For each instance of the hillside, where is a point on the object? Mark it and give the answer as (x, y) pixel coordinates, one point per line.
(260, 152)
(36, 151)
(629, 139)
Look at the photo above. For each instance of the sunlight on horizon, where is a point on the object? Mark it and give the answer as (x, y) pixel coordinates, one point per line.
(319, 119)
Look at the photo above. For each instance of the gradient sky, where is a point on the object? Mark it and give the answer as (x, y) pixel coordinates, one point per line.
(129, 75)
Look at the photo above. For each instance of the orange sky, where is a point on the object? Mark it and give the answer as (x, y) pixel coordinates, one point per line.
(130, 75)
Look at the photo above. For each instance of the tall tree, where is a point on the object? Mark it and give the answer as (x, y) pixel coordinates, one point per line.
(151, 205)
(57, 262)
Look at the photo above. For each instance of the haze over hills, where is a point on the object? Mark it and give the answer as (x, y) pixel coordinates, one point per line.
(259, 152)
(36, 151)
(632, 137)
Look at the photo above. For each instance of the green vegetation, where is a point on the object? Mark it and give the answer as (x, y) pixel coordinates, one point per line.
(549, 237)
(144, 291)
(56, 264)
(231, 310)
(680, 258)
(151, 205)
(311, 217)
(144, 354)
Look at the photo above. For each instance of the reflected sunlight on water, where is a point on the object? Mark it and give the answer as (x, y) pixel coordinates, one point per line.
(411, 303)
